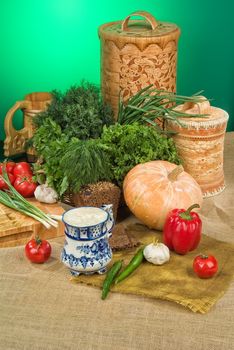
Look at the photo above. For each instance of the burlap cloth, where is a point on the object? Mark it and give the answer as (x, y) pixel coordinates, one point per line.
(41, 309)
(174, 281)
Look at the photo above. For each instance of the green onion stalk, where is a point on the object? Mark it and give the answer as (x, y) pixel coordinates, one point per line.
(13, 199)
(150, 104)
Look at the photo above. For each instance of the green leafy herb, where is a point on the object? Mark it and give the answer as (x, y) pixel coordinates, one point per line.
(131, 144)
(68, 163)
(80, 112)
(85, 162)
(50, 144)
(78, 144)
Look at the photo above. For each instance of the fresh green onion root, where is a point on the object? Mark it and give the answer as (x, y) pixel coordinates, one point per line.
(14, 200)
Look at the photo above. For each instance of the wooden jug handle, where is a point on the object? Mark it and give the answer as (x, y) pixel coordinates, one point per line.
(8, 126)
(150, 18)
(14, 141)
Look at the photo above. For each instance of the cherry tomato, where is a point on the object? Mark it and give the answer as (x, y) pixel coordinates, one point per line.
(3, 185)
(25, 185)
(38, 251)
(205, 266)
(22, 168)
(9, 167)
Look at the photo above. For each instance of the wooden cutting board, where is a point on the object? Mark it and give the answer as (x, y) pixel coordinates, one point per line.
(17, 228)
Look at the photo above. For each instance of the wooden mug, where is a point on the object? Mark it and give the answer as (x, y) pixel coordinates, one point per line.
(33, 104)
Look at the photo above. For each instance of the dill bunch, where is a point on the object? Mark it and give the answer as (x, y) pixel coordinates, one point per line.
(85, 162)
(80, 112)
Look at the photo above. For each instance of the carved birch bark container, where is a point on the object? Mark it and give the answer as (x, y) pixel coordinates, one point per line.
(135, 54)
(200, 144)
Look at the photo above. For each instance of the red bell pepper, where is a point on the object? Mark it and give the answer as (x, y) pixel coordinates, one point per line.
(182, 230)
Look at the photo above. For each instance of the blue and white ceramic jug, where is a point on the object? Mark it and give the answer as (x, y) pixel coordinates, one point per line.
(87, 230)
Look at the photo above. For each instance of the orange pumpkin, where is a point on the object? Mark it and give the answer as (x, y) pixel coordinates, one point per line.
(154, 188)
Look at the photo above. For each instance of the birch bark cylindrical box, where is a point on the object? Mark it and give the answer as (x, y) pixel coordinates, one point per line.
(200, 144)
(135, 54)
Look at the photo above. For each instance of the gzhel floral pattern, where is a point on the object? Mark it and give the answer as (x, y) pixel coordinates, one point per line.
(99, 253)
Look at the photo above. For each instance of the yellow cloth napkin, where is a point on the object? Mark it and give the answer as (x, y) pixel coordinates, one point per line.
(175, 280)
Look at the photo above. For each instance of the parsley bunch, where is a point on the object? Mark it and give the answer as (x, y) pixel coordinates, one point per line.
(131, 144)
(51, 144)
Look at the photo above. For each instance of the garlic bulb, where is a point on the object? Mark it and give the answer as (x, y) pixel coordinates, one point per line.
(156, 253)
(46, 194)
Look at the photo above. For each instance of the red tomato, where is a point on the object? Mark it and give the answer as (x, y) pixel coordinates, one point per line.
(25, 186)
(22, 168)
(38, 251)
(9, 167)
(3, 185)
(205, 266)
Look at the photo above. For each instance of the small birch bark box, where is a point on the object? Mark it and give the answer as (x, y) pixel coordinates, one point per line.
(200, 144)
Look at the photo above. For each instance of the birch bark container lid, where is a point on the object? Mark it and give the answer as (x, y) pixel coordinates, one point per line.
(149, 28)
(200, 144)
(135, 54)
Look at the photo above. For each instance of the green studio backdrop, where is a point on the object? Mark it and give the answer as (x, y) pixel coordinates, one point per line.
(53, 44)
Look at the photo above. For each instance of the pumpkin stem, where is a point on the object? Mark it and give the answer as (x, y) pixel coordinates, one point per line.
(172, 176)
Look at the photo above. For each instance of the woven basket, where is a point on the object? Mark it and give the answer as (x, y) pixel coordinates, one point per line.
(95, 195)
(200, 144)
(135, 54)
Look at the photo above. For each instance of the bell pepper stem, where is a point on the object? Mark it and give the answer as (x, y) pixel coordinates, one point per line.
(191, 208)
(186, 214)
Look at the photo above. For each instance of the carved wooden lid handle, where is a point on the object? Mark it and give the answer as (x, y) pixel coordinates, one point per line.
(202, 107)
(151, 19)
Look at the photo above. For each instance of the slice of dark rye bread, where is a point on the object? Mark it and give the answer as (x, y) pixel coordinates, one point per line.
(122, 238)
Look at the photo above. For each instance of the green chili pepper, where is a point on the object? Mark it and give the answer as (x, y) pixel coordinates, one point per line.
(132, 266)
(110, 278)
